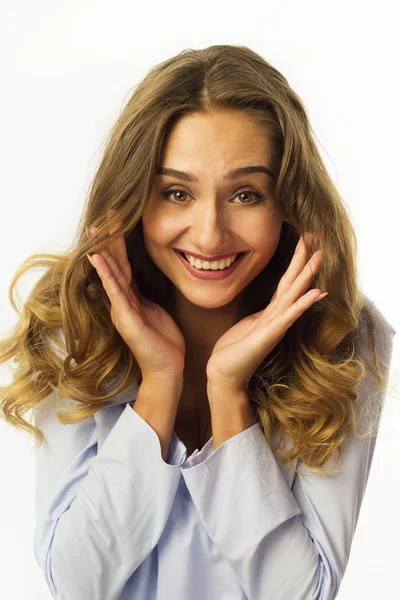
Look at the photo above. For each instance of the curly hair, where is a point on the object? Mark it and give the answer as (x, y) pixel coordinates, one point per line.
(307, 388)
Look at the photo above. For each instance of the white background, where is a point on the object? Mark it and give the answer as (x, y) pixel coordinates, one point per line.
(68, 69)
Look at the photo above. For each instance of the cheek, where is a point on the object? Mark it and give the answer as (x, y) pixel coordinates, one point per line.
(265, 236)
(155, 224)
(159, 232)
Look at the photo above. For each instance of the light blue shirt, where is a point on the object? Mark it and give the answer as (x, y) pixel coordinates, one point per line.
(115, 521)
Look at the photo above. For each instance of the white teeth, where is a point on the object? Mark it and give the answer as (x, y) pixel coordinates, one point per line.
(215, 265)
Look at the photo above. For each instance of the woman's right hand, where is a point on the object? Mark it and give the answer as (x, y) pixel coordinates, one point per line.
(149, 331)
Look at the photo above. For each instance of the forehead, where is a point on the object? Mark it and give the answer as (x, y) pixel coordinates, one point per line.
(222, 126)
(218, 141)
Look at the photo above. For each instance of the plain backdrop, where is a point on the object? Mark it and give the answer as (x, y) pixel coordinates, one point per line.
(67, 70)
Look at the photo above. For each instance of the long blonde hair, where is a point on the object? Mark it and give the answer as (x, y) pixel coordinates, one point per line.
(65, 342)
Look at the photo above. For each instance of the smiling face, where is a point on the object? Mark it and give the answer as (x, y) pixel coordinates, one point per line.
(214, 215)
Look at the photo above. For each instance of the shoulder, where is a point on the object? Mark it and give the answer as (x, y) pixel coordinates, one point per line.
(379, 319)
(373, 323)
(46, 411)
(374, 333)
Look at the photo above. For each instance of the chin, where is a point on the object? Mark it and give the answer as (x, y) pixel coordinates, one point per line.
(211, 299)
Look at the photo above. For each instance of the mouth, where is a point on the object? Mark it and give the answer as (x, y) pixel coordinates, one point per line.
(211, 275)
(184, 256)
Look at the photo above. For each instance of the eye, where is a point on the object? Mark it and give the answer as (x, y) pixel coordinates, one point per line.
(258, 196)
(166, 194)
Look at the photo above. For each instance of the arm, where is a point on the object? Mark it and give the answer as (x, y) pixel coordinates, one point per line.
(241, 415)
(283, 541)
(98, 512)
(157, 404)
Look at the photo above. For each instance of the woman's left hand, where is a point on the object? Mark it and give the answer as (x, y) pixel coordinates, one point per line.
(239, 352)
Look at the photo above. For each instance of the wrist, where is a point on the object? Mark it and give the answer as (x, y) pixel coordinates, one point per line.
(218, 391)
(173, 385)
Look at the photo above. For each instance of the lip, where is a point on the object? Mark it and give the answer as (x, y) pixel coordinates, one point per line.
(221, 257)
(209, 274)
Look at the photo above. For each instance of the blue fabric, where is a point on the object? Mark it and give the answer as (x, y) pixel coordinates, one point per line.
(115, 521)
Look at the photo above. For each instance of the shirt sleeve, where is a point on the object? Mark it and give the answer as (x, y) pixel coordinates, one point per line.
(99, 510)
(281, 541)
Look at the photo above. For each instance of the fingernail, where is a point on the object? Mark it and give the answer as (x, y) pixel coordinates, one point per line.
(90, 260)
(112, 212)
(321, 296)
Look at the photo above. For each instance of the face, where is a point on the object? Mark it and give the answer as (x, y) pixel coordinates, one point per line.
(214, 215)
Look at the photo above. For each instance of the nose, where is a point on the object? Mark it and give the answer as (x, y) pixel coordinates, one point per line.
(212, 229)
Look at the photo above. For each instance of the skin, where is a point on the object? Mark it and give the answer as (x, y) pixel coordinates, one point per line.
(212, 219)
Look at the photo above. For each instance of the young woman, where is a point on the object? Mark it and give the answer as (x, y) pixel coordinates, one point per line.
(219, 420)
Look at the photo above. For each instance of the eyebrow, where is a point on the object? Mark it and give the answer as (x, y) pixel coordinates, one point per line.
(232, 174)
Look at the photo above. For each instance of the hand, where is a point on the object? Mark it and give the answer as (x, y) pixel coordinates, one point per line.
(239, 352)
(150, 332)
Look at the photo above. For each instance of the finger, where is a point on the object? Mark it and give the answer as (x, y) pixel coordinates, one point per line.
(299, 265)
(108, 257)
(295, 267)
(295, 310)
(115, 245)
(116, 287)
(107, 253)
(118, 247)
(116, 271)
(130, 288)
(296, 292)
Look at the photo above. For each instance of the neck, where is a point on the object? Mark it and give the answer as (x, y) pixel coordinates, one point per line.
(202, 327)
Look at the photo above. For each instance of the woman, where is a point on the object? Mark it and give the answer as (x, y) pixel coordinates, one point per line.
(195, 388)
